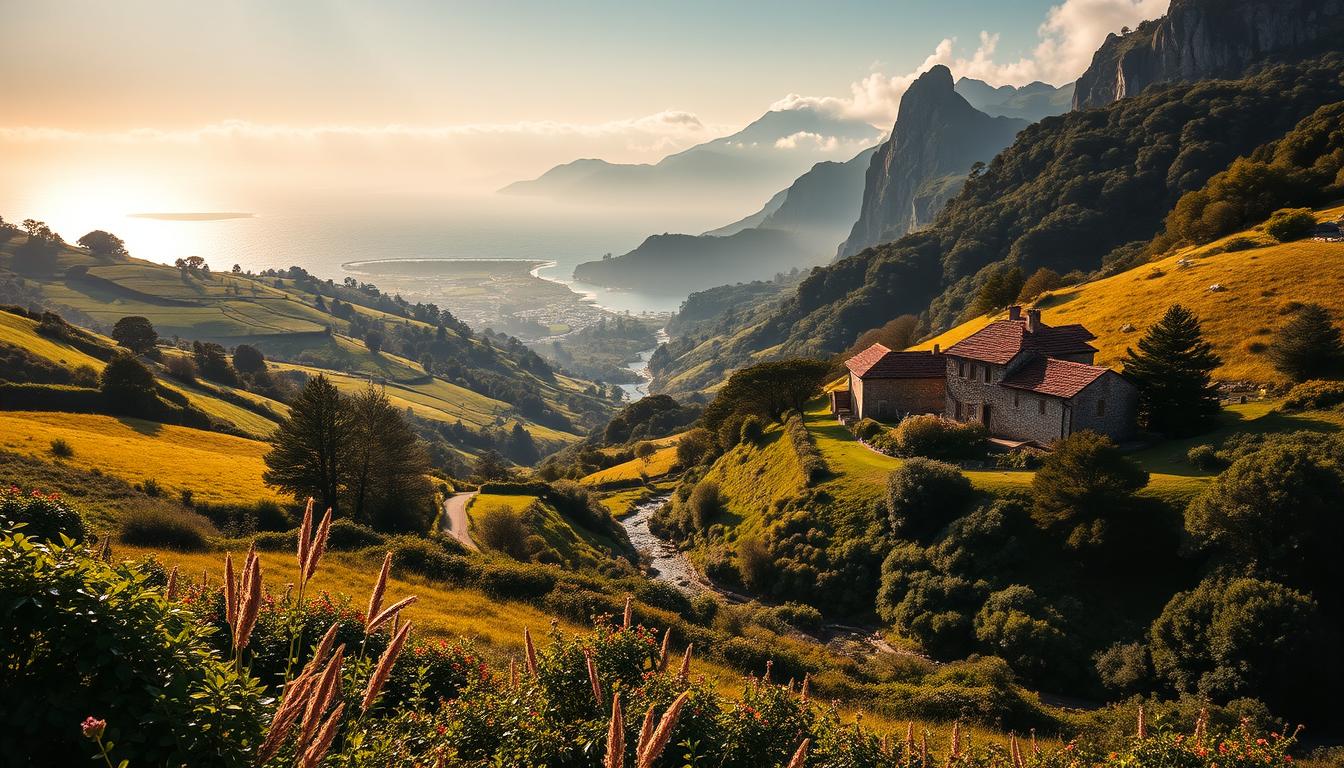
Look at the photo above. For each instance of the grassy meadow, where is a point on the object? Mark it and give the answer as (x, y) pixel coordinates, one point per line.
(1262, 281)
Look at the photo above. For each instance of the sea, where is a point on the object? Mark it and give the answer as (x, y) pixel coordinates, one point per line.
(321, 233)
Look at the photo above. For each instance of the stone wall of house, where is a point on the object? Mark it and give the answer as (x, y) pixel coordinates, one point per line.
(889, 399)
(1019, 415)
(1119, 415)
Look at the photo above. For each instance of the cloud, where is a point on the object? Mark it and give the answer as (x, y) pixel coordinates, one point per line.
(809, 140)
(1071, 33)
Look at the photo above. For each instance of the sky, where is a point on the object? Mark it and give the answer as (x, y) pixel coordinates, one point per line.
(162, 100)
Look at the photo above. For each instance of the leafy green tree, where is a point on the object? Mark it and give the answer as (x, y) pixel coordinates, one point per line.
(385, 467)
(128, 385)
(1246, 637)
(105, 245)
(705, 504)
(768, 389)
(924, 495)
(213, 363)
(1081, 486)
(248, 359)
(1173, 370)
(695, 447)
(1041, 281)
(1020, 627)
(522, 448)
(490, 465)
(999, 290)
(311, 447)
(135, 333)
(373, 340)
(1277, 511)
(502, 529)
(1309, 346)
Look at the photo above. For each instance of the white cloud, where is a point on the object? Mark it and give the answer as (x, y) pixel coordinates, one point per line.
(809, 140)
(1070, 34)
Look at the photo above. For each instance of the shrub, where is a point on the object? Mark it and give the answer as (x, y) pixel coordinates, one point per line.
(1018, 626)
(501, 528)
(347, 536)
(156, 526)
(705, 504)
(696, 447)
(798, 616)
(1314, 395)
(935, 437)
(181, 368)
(866, 428)
(924, 495)
(427, 558)
(103, 641)
(516, 581)
(753, 430)
(1288, 224)
(805, 446)
(1084, 487)
(754, 564)
(61, 449)
(45, 516)
(1205, 457)
(150, 487)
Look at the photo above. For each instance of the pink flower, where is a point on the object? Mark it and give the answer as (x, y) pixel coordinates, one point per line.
(93, 728)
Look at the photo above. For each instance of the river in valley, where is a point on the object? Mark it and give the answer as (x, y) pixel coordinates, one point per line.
(640, 390)
(665, 562)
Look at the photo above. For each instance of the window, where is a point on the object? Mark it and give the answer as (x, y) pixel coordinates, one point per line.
(986, 374)
(1101, 407)
(1042, 404)
(970, 412)
(961, 369)
(1016, 400)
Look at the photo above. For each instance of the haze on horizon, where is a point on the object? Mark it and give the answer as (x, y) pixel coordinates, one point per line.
(150, 105)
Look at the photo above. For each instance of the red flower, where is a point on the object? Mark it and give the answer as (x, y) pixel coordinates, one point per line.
(93, 728)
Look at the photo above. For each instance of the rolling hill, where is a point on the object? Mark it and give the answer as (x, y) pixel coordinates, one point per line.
(1243, 287)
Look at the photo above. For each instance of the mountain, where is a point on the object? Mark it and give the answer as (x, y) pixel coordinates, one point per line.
(761, 158)
(1085, 191)
(1033, 101)
(797, 228)
(1200, 39)
(938, 136)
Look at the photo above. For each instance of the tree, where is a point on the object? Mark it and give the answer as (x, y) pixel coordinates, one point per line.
(644, 451)
(491, 466)
(1276, 511)
(1290, 224)
(248, 359)
(1020, 627)
(1173, 371)
(522, 448)
(705, 504)
(768, 389)
(1309, 346)
(310, 447)
(1041, 281)
(1247, 637)
(695, 446)
(385, 468)
(998, 291)
(135, 333)
(924, 495)
(374, 341)
(897, 333)
(213, 363)
(128, 385)
(501, 528)
(1081, 485)
(104, 245)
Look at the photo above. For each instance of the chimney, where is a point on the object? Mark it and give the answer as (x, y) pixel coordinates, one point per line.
(1033, 320)
(935, 349)
(1015, 312)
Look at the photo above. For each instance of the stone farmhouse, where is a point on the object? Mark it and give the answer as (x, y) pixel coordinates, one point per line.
(1026, 381)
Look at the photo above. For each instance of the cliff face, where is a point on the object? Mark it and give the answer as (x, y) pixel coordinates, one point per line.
(938, 136)
(1200, 39)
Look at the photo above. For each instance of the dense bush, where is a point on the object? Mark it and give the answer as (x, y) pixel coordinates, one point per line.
(704, 504)
(810, 460)
(501, 528)
(1084, 488)
(98, 639)
(44, 516)
(1314, 395)
(155, 526)
(1289, 224)
(924, 495)
(935, 437)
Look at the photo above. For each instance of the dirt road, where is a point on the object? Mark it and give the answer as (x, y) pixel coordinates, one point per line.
(455, 514)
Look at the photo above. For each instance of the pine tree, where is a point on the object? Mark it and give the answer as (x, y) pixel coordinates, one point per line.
(1309, 346)
(384, 475)
(310, 448)
(1173, 370)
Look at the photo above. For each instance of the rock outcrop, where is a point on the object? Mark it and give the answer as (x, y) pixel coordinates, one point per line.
(1200, 39)
(937, 138)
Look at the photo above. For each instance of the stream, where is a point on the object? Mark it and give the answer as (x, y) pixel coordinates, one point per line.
(639, 391)
(665, 562)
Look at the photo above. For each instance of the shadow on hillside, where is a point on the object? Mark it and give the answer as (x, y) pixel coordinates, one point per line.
(147, 428)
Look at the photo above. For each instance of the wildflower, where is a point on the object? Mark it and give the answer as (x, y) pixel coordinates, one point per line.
(384, 667)
(93, 728)
(800, 757)
(615, 757)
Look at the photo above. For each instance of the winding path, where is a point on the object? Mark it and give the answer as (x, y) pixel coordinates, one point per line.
(455, 516)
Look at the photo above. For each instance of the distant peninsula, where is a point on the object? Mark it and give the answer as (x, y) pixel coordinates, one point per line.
(196, 216)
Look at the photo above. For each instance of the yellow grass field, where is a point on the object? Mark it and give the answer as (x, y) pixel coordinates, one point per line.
(1259, 288)
(659, 464)
(216, 468)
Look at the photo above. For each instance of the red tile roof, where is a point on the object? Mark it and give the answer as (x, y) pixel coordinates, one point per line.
(1002, 340)
(878, 362)
(1057, 378)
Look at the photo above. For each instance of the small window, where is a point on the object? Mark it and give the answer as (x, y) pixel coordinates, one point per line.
(987, 372)
(961, 369)
(1042, 404)
(1017, 400)
(970, 411)
(1101, 407)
